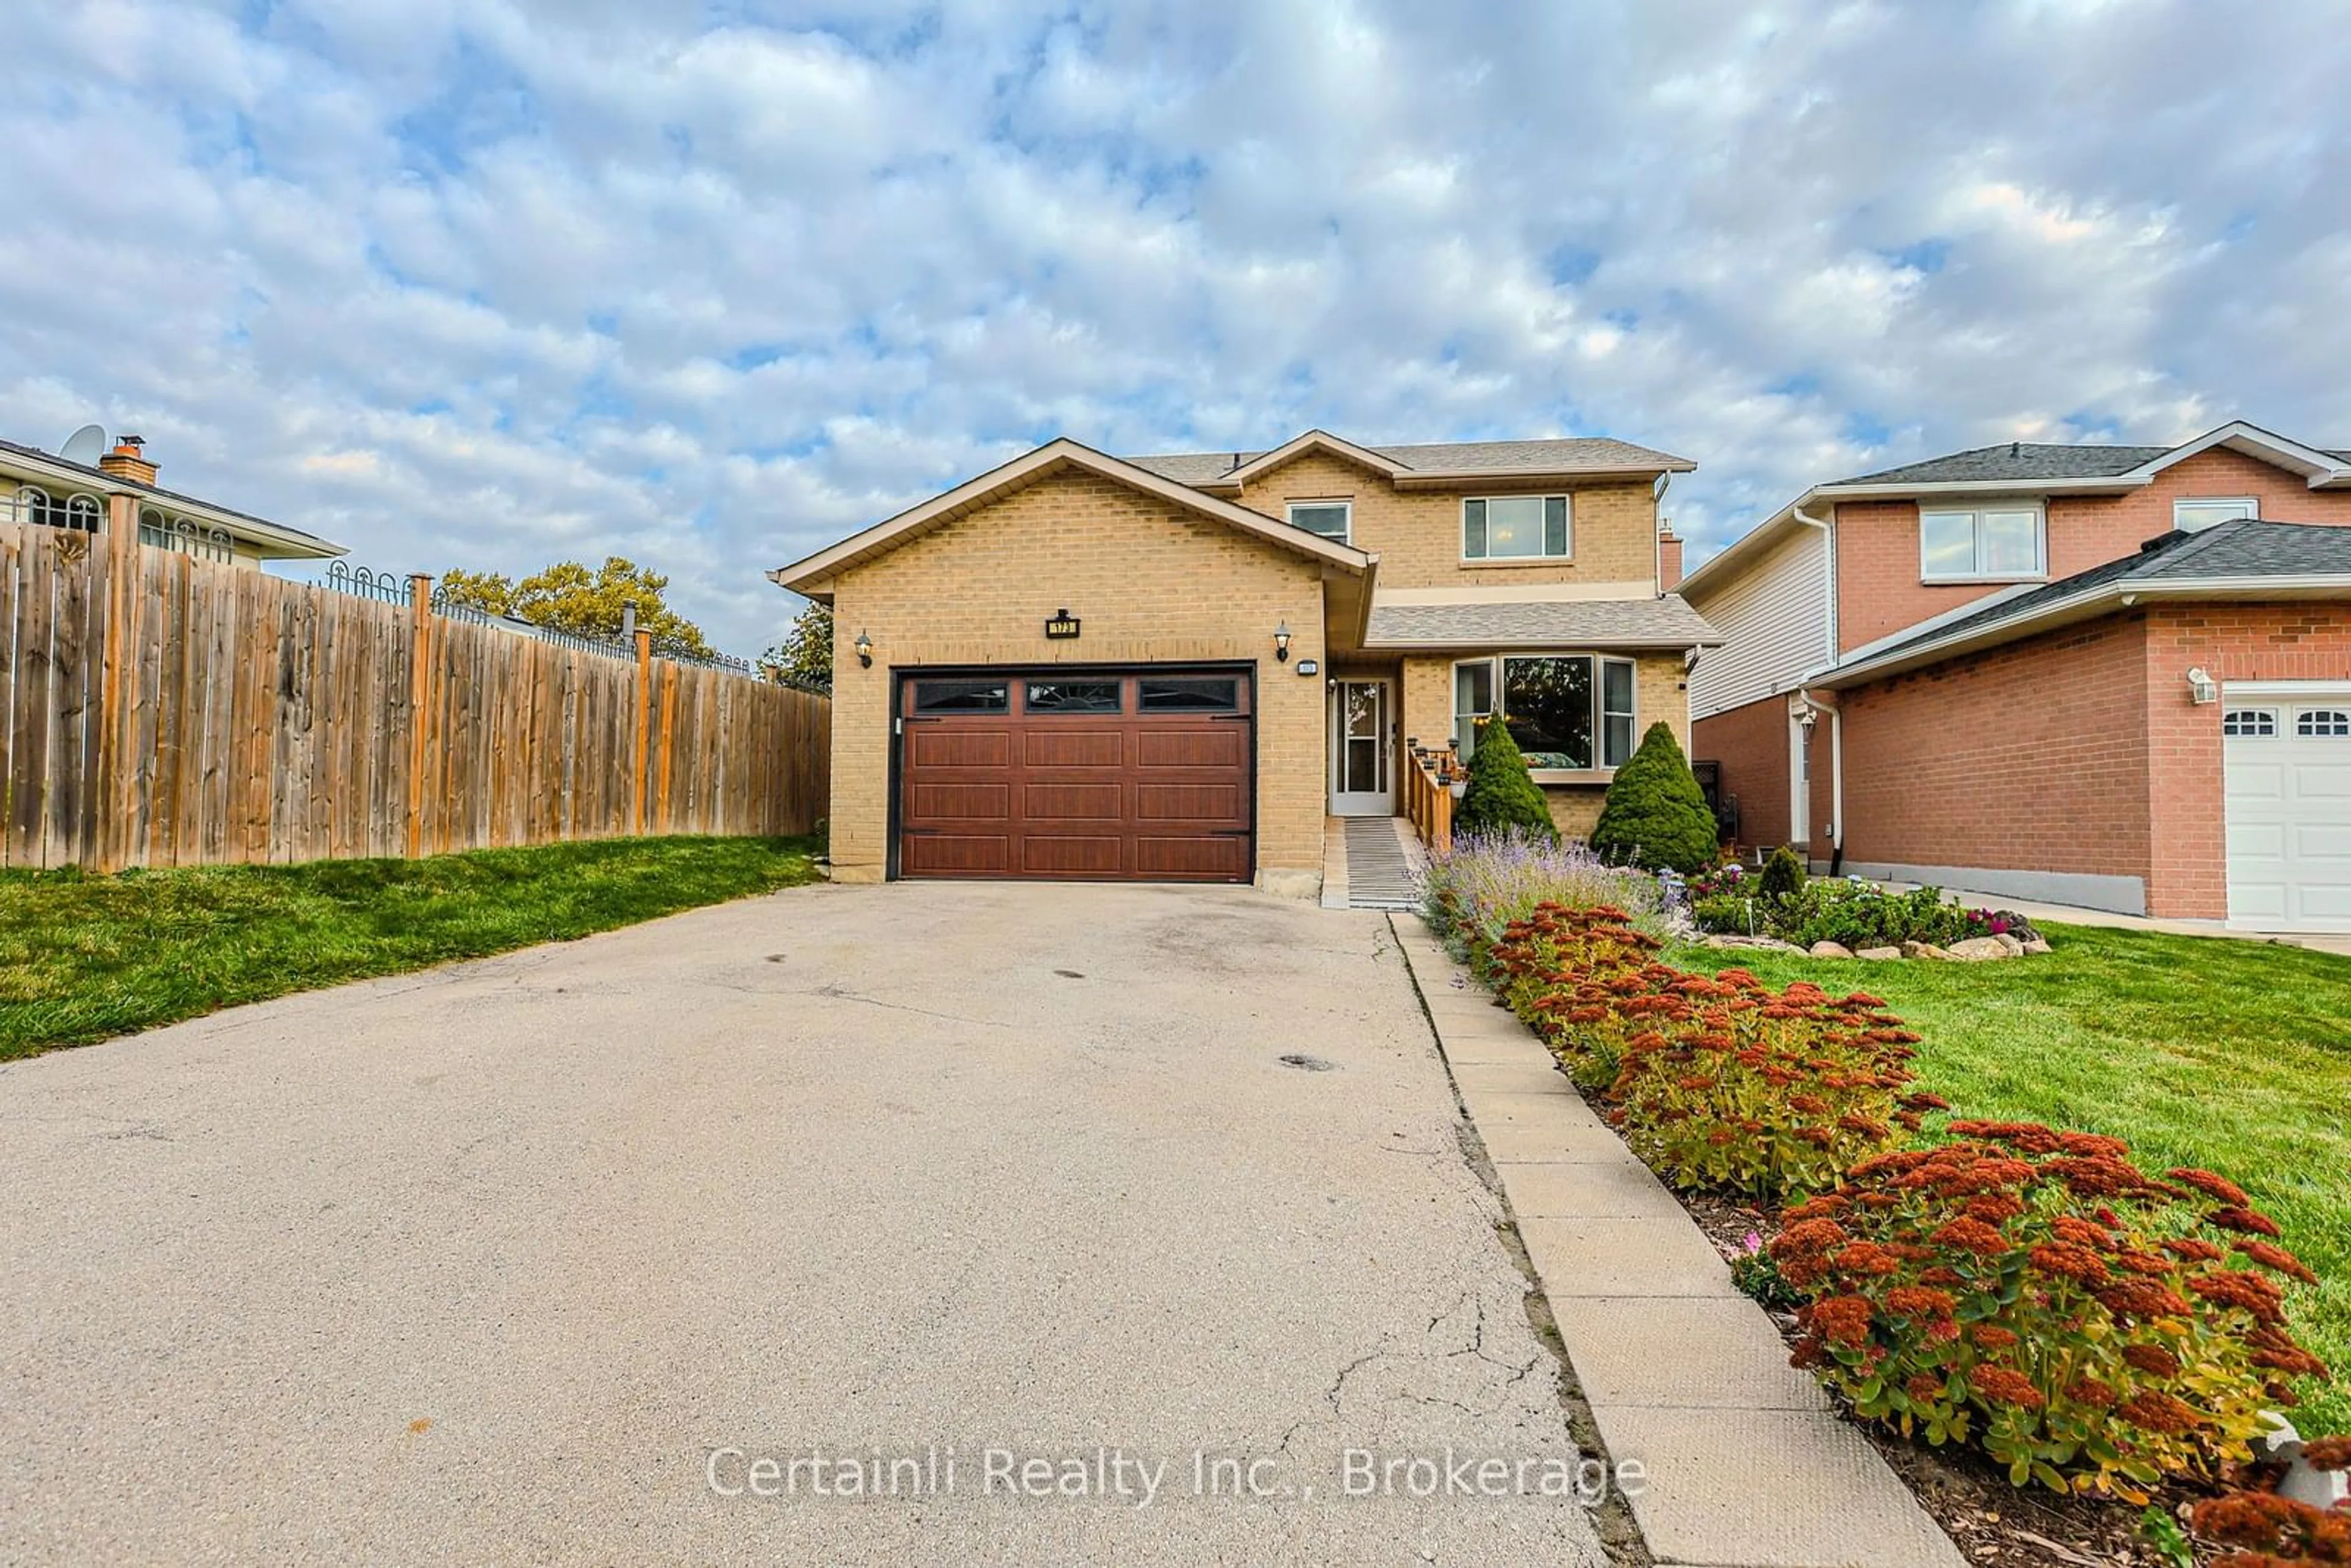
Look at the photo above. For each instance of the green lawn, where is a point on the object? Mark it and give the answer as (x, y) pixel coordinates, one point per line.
(2231, 1055)
(85, 958)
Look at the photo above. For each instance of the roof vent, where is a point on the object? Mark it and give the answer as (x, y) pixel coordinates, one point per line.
(2016, 449)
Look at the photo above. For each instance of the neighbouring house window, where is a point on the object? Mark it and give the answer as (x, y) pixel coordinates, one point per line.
(1331, 519)
(1072, 696)
(1566, 711)
(2248, 721)
(1191, 694)
(962, 696)
(1990, 542)
(2193, 513)
(2322, 721)
(1516, 528)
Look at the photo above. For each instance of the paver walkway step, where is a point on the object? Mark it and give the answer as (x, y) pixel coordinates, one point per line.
(1748, 1464)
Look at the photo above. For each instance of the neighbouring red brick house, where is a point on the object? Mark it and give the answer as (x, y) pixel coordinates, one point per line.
(2116, 676)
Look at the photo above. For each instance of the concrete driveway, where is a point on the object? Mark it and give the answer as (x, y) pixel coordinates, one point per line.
(487, 1264)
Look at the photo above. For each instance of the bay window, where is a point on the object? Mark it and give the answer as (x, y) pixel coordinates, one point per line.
(1569, 712)
(1988, 543)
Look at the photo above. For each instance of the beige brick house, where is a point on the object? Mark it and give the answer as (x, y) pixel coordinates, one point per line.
(1180, 667)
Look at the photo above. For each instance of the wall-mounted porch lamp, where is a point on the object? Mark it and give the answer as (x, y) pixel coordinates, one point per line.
(1281, 642)
(2202, 687)
(864, 646)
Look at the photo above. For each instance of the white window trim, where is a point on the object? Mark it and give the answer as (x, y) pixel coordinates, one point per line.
(1462, 533)
(1344, 503)
(2254, 502)
(2039, 573)
(1597, 772)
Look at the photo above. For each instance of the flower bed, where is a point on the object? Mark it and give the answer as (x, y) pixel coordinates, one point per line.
(1852, 912)
(1485, 881)
(2019, 1289)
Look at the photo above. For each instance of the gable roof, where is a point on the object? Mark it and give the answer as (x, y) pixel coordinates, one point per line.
(1426, 465)
(2016, 461)
(2247, 559)
(811, 575)
(278, 541)
(2032, 468)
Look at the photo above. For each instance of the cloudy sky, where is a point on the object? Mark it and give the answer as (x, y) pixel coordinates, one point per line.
(489, 283)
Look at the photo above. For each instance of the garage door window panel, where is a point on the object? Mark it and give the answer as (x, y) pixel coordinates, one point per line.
(2322, 722)
(1190, 694)
(2248, 721)
(963, 696)
(1072, 696)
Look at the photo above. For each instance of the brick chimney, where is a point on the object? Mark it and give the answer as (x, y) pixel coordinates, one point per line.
(1670, 558)
(127, 461)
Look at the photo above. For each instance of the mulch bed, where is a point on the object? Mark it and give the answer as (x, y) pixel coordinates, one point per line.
(1966, 1494)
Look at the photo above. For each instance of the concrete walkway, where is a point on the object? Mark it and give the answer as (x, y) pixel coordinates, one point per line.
(530, 1260)
(1748, 1465)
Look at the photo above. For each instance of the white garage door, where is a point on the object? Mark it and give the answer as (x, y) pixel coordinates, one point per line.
(2289, 804)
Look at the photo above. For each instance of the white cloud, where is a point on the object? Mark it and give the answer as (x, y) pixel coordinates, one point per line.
(485, 284)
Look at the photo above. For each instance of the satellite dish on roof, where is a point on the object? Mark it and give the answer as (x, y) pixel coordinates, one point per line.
(85, 445)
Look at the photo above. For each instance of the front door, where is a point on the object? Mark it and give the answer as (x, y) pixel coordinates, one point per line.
(1362, 748)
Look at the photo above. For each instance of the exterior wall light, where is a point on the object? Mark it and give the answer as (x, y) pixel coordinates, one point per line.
(864, 646)
(2202, 687)
(1281, 642)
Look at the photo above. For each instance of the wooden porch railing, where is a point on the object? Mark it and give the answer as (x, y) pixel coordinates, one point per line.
(1428, 777)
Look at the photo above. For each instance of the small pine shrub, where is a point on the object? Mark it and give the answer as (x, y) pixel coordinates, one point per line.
(2033, 1294)
(1656, 815)
(1784, 875)
(1502, 796)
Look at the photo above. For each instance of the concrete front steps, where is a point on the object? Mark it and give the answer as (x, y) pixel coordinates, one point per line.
(1748, 1464)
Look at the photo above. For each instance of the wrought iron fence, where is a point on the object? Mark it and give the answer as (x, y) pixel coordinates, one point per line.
(161, 531)
(393, 588)
(362, 582)
(74, 510)
(670, 648)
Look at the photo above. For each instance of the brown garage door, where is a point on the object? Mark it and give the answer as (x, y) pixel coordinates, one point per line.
(1108, 775)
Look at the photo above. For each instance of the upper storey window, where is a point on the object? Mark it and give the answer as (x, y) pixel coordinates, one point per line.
(1988, 544)
(1517, 528)
(1331, 519)
(2192, 514)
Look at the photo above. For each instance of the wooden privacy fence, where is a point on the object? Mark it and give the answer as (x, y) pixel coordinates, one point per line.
(164, 710)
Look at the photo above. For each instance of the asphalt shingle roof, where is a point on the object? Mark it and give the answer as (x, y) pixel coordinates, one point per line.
(2017, 461)
(1565, 456)
(1668, 623)
(2248, 547)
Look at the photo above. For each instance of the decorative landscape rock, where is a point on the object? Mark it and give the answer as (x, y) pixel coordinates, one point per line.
(1879, 954)
(1830, 950)
(2014, 945)
(1771, 944)
(2038, 944)
(1976, 950)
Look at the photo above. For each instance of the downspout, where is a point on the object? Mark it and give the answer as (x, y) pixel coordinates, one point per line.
(1836, 716)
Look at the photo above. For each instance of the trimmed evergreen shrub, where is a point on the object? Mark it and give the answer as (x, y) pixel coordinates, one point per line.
(1784, 875)
(1502, 794)
(1656, 815)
